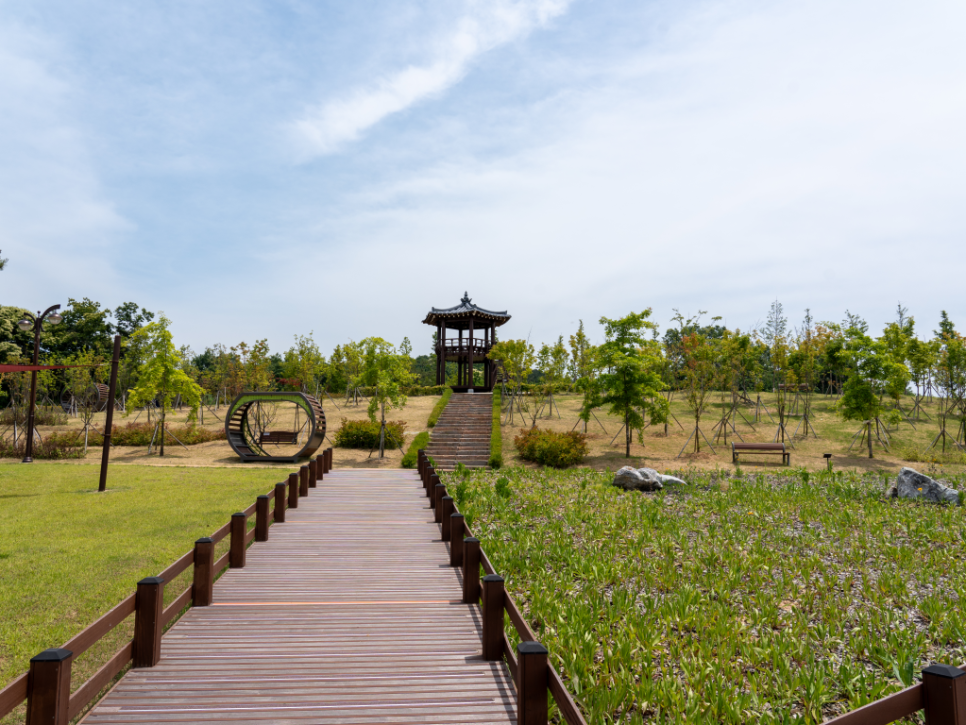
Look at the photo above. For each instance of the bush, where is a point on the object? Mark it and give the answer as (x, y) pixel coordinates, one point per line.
(47, 449)
(365, 434)
(42, 416)
(550, 448)
(420, 441)
(496, 435)
(140, 434)
(438, 408)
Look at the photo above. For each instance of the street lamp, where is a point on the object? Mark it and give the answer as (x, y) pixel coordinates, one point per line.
(36, 323)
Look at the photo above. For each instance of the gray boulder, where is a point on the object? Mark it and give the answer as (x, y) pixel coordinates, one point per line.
(650, 473)
(912, 484)
(632, 479)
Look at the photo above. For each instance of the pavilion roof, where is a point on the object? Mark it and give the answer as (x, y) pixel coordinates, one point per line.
(458, 317)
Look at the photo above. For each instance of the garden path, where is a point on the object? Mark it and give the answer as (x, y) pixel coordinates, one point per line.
(349, 613)
(462, 434)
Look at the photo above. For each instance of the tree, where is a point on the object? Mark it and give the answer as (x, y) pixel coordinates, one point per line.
(776, 324)
(517, 358)
(630, 379)
(304, 363)
(129, 319)
(871, 366)
(3, 262)
(581, 355)
(552, 364)
(385, 372)
(160, 376)
(86, 327)
(950, 378)
(698, 370)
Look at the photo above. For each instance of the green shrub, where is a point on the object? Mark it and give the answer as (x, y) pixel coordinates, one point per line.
(496, 435)
(550, 448)
(46, 449)
(412, 454)
(438, 408)
(140, 434)
(365, 434)
(43, 415)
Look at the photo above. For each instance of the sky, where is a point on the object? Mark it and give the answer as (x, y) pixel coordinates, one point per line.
(267, 169)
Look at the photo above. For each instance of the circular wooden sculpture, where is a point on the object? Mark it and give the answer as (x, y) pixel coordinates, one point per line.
(96, 396)
(249, 442)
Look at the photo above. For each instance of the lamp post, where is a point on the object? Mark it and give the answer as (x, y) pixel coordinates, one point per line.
(36, 323)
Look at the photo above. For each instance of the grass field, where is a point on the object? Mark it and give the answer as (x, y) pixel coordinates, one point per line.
(68, 554)
(759, 598)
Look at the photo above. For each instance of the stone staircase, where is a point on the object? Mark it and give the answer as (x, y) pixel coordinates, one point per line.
(462, 434)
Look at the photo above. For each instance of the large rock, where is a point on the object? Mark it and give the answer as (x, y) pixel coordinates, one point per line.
(650, 473)
(631, 479)
(912, 484)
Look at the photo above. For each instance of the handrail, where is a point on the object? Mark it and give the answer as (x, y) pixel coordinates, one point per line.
(23, 687)
(554, 683)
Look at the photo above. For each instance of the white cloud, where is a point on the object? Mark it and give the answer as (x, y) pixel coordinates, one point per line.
(55, 224)
(486, 25)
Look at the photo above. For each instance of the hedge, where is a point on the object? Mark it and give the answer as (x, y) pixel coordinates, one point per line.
(364, 434)
(496, 435)
(551, 448)
(420, 441)
(438, 408)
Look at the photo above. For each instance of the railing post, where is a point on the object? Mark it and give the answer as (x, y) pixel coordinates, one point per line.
(457, 528)
(303, 481)
(204, 576)
(261, 518)
(445, 513)
(313, 474)
(236, 550)
(533, 681)
(48, 687)
(319, 466)
(421, 464)
(471, 570)
(148, 606)
(293, 490)
(492, 617)
(431, 488)
(328, 459)
(944, 694)
(279, 503)
(439, 492)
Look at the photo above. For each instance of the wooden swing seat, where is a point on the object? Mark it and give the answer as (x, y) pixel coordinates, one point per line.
(279, 436)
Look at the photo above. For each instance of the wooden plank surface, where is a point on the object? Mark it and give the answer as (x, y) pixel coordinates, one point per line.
(348, 614)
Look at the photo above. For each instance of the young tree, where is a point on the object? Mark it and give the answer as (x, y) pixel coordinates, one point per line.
(581, 355)
(871, 366)
(950, 377)
(517, 358)
(80, 384)
(698, 370)
(304, 363)
(160, 375)
(630, 380)
(386, 373)
(552, 364)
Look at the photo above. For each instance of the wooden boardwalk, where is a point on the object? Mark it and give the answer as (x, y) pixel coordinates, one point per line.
(349, 613)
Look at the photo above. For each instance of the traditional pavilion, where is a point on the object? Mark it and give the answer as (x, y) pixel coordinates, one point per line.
(476, 330)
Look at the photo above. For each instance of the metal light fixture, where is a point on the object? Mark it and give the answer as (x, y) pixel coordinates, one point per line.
(36, 324)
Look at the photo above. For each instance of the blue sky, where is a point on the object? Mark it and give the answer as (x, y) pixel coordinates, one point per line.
(265, 169)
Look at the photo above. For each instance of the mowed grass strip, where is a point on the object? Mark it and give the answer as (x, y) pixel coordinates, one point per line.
(773, 597)
(68, 554)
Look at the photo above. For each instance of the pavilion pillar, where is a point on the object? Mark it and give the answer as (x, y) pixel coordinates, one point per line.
(441, 356)
(460, 378)
(471, 382)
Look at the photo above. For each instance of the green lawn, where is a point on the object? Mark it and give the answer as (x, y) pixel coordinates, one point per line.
(733, 600)
(68, 553)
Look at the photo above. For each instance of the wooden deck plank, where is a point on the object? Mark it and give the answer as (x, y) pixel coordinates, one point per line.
(349, 614)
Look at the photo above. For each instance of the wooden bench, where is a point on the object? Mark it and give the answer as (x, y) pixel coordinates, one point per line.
(775, 449)
(279, 436)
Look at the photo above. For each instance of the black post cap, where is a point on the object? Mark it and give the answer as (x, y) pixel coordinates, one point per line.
(447, 498)
(947, 671)
(239, 513)
(151, 580)
(491, 577)
(56, 654)
(471, 539)
(264, 495)
(205, 540)
(456, 516)
(531, 648)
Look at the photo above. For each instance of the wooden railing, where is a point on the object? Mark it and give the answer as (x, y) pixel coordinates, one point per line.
(529, 665)
(46, 687)
(942, 692)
